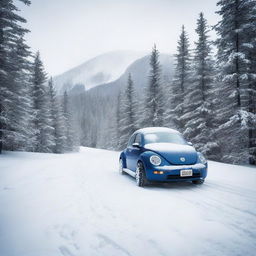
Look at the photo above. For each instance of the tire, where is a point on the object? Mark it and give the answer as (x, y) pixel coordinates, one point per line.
(141, 179)
(121, 169)
(198, 182)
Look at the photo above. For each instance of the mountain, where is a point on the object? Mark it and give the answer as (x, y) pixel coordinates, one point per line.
(102, 69)
(139, 70)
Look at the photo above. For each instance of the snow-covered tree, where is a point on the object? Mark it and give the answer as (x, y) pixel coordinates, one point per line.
(251, 52)
(198, 110)
(236, 41)
(58, 121)
(154, 106)
(10, 32)
(180, 83)
(42, 118)
(118, 120)
(20, 132)
(128, 113)
(71, 133)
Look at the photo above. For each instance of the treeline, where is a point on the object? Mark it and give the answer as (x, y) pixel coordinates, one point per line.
(211, 99)
(32, 117)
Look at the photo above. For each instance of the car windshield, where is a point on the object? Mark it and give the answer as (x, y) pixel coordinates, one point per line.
(164, 137)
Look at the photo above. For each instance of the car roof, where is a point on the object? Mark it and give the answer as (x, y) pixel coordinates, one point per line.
(155, 129)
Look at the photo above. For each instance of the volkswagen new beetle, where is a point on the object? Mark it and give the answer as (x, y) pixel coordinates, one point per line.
(162, 155)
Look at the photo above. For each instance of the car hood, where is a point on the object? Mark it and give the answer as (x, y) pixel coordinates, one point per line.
(174, 153)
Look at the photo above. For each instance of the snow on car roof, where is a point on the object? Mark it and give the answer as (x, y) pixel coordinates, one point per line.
(156, 129)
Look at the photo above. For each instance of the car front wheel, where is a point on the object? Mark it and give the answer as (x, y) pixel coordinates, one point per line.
(140, 175)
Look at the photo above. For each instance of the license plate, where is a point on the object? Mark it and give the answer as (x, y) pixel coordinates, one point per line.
(185, 173)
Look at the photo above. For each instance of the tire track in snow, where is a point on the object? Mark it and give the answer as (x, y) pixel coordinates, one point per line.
(112, 243)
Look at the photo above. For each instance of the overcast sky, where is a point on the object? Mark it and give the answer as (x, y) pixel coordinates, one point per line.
(69, 32)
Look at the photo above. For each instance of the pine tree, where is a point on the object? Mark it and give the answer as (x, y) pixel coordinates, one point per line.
(118, 121)
(83, 119)
(198, 109)
(235, 61)
(57, 118)
(180, 83)
(10, 31)
(127, 121)
(42, 120)
(20, 132)
(70, 130)
(154, 94)
(251, 52)
(66, 113)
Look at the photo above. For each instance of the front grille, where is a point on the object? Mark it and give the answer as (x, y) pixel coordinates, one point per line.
(195, 175)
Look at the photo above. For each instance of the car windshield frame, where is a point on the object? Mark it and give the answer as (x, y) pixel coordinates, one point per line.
(164, 137)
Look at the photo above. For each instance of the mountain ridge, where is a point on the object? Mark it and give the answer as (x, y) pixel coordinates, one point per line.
(139, 71)
(98, 70)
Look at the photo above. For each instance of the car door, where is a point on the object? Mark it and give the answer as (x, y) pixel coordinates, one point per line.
(128, 153)
(135, 152)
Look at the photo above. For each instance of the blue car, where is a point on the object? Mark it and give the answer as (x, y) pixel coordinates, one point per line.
(158, 154)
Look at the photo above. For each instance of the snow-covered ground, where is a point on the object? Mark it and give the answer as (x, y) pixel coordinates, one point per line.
(78, 205)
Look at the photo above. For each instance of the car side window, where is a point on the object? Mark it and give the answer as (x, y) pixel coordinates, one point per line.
(131, 141)
(138, 139)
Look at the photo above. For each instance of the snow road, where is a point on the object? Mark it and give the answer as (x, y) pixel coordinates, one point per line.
(78, 205)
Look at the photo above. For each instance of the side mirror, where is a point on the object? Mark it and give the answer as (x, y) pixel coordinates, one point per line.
(190, 143)
(136, 145)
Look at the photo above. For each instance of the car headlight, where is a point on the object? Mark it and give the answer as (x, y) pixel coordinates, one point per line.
(155, 160)
(202, 158)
